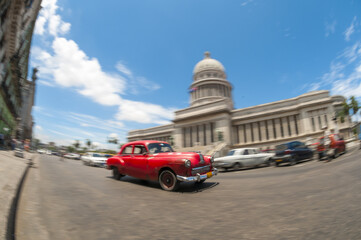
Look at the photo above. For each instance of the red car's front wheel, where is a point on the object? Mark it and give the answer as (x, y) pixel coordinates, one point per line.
(168, 181)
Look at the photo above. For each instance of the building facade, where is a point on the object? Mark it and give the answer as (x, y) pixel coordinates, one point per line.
(16, 29)
(210, 124)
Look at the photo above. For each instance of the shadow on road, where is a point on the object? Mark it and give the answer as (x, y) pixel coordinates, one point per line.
(183, 188)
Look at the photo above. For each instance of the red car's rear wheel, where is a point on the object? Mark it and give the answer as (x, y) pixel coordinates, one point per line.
(168, 181)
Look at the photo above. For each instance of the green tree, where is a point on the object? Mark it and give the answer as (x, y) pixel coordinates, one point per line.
(354, 106)
(88, 142)
(70, 149)
(76, 144)
(350, 105)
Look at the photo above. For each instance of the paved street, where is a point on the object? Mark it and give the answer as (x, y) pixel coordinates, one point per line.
(311, 200)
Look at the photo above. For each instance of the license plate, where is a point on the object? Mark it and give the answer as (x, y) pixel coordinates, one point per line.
(209, 174)
(279, 160)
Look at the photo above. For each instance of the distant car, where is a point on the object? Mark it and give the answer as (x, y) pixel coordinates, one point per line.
(292, 153)
(336, 147)
(72, 156)
(18, 152)
(94, 159)
(55, 153)
(243, 157)
(156, 160)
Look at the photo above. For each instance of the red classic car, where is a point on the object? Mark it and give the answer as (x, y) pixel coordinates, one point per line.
(156, 161)
(336, 147)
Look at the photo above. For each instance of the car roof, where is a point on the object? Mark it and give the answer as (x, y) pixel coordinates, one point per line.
(146, 142)
(238, 149)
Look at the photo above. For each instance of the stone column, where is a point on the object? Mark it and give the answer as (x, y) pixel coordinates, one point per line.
(263, 131)
(285, 127)
(292, 125)
(270, 129)
(241, 134)
(255, 132)
(278, 128)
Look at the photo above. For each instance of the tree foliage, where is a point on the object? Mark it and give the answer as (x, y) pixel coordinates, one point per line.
(350, 105)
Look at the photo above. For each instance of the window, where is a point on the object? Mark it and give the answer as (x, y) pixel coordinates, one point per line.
(259, 132)
(326, 122)
(128, 150)
(139, 149)
(231, 153)
(281, 125)
(319, 122)
(245, 152)
(313, 124)
(159, 148)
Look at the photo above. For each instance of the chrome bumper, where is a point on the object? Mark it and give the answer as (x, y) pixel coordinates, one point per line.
(198, 177)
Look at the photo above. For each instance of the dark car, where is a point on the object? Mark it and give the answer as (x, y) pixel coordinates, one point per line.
(292, 153)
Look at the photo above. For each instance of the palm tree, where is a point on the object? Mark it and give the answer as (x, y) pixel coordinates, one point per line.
(347, 106)
(354, 105)
(76, 144)
(88, 143)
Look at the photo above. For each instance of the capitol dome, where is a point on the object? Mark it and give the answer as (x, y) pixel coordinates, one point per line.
(208, 63)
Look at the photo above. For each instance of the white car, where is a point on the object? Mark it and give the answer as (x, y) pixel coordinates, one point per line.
(94, 159)
(243, 157)
(72, 156)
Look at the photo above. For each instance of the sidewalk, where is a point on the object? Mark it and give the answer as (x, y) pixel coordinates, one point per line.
(11, 171)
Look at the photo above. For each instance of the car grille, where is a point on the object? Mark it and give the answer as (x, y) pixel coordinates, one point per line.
(202, 169)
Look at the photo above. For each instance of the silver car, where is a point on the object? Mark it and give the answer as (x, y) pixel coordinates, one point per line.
(243, 157)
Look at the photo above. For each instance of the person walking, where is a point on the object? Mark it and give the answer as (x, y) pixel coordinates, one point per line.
(2, 141)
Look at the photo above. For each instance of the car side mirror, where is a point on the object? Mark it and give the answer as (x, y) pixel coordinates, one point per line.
(145, 153)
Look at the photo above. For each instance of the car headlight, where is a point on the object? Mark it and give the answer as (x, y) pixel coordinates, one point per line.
(187, 163)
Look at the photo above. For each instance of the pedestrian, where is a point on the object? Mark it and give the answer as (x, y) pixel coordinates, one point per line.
(2, 141)
(325, 141)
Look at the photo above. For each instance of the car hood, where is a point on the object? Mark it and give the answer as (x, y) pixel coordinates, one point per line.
(196, 159)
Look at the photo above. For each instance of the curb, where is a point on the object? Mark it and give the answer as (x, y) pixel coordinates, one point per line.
(10, 228)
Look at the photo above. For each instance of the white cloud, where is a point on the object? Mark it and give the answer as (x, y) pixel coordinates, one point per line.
(123, 69)
(62, 63)
(344, 76)
(330, 28)
(350, 30)
(246, 2)
(113, 135)
(49, 22)
(71, 67)
(144, 112)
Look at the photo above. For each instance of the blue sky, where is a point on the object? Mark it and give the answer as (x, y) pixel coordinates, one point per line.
(107, 67)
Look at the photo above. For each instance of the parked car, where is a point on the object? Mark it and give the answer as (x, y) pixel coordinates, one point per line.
(18, 152)
(94, 159)
(156, 161)
(292, 153)
(336, 146)
(72, 156)
(243, 157)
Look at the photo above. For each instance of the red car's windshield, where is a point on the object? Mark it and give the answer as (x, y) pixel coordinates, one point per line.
(159, 148)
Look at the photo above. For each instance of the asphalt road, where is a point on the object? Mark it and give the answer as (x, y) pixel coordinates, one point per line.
(311, 200)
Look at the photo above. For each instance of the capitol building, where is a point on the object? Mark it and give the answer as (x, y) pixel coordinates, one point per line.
(211, 124)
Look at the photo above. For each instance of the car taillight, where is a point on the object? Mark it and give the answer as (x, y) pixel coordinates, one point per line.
(288, 151)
